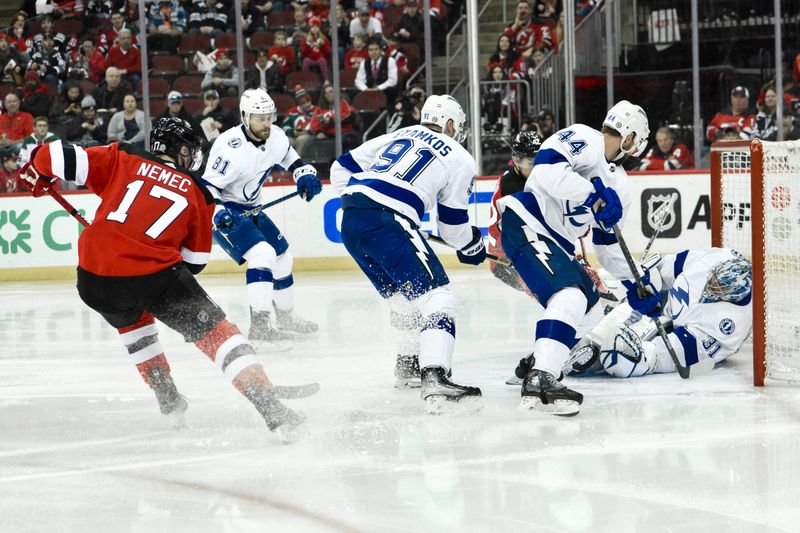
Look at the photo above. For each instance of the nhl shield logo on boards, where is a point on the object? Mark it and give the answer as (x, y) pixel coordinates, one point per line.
(661, 207)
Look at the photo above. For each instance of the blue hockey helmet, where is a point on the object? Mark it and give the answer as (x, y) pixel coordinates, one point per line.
(729, 281)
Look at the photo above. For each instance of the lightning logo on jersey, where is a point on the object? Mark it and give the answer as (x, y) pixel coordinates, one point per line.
(422, 252)
(542, 250)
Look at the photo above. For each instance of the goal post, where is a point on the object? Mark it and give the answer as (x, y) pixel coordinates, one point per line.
(755, 209)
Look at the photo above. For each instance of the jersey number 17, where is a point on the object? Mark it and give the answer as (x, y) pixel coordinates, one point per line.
(179, 203)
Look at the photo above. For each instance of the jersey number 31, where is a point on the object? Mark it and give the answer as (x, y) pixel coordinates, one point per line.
(393, 155)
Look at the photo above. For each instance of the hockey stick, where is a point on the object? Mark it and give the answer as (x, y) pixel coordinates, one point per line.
(68, 207)
(490, 257)
(659, 217)
(585, 262)
(257, 210)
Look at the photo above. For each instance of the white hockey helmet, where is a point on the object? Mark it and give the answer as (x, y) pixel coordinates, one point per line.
(256, 102)
(627, 118)
(439, 109)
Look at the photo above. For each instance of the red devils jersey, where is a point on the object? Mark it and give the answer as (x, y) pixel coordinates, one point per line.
(151, 216)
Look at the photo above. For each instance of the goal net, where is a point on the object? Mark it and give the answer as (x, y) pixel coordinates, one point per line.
(755, 208)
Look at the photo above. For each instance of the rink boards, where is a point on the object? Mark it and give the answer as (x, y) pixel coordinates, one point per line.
(38, 239)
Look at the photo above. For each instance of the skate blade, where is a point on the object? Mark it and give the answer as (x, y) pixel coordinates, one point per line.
(272, 346)
(300, 336)
(407, 383)
(440, 405)
(289, 434)
(558, 407)
(514, 380)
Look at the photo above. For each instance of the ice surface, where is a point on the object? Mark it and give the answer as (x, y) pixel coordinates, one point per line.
(83, 447)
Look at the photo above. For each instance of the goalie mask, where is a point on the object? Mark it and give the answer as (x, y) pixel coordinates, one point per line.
(729, 281)
(175, 138)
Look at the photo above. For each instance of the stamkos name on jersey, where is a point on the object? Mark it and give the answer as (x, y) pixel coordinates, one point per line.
(435, 142)
(164, 176)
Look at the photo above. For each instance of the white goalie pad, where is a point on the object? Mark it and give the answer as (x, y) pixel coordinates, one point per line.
(623, 336)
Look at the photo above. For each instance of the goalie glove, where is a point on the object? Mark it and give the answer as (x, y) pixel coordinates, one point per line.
(308, 184)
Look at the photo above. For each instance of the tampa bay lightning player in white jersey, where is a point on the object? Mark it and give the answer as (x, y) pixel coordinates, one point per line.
(387, 184)
(240, 161)
(574, 171)
(708, 313)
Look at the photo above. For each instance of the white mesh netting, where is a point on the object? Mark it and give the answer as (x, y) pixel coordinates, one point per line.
(781, 185)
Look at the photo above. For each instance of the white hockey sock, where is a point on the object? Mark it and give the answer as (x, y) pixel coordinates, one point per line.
(260, 295)
(284, 298)
(407, 321)
(555, 330)
(284, 282)
(436, 348)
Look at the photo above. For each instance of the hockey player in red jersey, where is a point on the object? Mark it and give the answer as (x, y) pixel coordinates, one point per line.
(151, 233)
(524, 146)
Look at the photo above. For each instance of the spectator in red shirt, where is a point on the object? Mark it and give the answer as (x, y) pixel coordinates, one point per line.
(738, 116)
(504, 57)
(358, 53)
(15, 125)
(667, 154)
(526, 33)
(8, 171)
(323, 124)
(126, 57)
(282, 53)
(88, 63)
(316, 49)
(108, 38)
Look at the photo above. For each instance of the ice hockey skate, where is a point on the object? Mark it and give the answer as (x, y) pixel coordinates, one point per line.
(171, 403)
(264, 336)
(442, 396)
(406, 372)
(288, 424)
(542, 392)
(299, 328)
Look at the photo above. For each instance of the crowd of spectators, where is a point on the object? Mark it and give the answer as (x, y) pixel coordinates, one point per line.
(74, 68)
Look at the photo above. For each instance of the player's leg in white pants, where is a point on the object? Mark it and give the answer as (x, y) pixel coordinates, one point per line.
(556, 330)
(437, 337)
(261, 261)
(406, 319)
(283, 298)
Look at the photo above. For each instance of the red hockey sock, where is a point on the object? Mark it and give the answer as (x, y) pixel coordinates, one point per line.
(214, 339)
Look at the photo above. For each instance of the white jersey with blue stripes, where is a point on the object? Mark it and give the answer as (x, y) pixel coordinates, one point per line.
(238, 166)
(702, 329)
(554, 201)
(411, 171)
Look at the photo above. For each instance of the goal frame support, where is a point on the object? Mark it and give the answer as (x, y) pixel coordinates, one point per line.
(757, 228)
